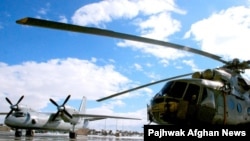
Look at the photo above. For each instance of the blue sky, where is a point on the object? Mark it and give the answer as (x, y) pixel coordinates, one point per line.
(43, 63)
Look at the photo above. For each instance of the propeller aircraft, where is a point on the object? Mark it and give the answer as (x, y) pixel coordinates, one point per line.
(217, 96)
(65, 119)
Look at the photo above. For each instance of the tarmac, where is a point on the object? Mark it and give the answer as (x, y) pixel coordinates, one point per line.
(9, 136)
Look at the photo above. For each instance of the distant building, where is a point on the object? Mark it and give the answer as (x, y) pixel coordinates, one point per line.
(82, 131)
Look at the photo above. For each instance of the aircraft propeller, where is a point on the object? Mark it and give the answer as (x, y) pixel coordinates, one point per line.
(13, 107)
(61, 108)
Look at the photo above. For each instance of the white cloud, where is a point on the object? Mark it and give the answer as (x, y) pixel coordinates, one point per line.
(56, 79)
(159, 26)
(224, 33)
(157, 22)
(44, 10)
(191, 64)
(63, 19)
(106, 11)
(149, 7)
(138, 67)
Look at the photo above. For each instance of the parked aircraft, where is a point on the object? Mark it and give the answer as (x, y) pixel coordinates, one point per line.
(64, 119)
(214, 96)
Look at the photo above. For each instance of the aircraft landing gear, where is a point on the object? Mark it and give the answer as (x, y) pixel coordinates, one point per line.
(29, 133)
(72, 135)
(18, 133)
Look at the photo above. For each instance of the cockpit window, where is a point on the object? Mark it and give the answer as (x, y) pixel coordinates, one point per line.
(192, 93)
(174, 89)
(19, 114)
(166, 89)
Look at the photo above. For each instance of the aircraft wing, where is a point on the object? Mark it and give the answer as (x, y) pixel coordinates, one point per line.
(93, 118)
(98, 117)
(3, 113)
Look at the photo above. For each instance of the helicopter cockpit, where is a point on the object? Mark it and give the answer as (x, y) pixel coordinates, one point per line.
(181, 100)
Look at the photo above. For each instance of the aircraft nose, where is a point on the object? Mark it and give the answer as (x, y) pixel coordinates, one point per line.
(11, 121)
(15, 121)
(172, 106)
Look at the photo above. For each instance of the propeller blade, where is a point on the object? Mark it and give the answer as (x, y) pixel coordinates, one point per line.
(96, 31)
(61, 108)
(8, 101)
(13, 107)
(67, 113)
(54, 102)
(9, 113)
(66, 100)
(54, 117)
(20, 99)
(142, 86)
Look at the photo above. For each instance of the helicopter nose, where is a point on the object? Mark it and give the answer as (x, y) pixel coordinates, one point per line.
(171, 106)
(149, 116)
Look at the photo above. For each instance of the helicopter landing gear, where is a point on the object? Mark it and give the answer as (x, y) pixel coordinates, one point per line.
(18, 133)
(72, 135)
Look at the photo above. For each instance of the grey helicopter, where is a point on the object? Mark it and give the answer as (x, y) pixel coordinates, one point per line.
(218, 96)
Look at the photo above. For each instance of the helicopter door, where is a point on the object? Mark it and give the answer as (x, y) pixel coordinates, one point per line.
(188, 106)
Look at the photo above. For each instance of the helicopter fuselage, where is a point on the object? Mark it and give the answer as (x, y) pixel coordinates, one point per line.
(199, 100)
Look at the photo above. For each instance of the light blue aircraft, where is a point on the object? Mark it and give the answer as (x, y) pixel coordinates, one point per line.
(64, 119)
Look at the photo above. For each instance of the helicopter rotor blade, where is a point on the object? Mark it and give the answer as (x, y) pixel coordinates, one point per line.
(96, 31)
(142, 86)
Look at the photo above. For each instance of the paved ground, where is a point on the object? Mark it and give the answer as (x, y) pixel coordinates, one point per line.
(9, 136)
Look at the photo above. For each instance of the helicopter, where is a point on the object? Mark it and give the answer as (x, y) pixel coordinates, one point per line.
(218, 96)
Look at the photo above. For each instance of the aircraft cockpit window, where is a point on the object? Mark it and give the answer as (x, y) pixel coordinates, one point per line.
(19, 114)
(175, 90)
(239, 108)
(248, 110)
(192, 93)
(158, 100)
(166, 89)
(204, 94)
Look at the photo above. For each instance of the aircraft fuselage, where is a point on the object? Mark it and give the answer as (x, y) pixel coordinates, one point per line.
(28, 119)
